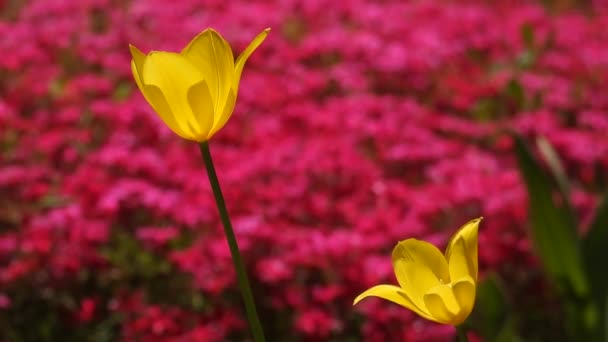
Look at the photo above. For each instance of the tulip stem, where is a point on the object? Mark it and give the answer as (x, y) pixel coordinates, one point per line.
(252, 316)
(462, 334)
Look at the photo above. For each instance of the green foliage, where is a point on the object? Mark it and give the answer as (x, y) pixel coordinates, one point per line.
(122, 91)
(493, 313)
(44, 308)
(574, 264)
(595, 252)
(553, 226)
(41, 311)
(509, 100)
(138, 268)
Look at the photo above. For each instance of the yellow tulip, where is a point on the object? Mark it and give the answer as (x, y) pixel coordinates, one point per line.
(438, 287)
(194, 91)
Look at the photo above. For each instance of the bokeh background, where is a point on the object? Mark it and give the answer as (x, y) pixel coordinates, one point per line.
(358, 124)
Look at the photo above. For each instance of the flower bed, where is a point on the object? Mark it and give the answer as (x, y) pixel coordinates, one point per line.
(358, 124)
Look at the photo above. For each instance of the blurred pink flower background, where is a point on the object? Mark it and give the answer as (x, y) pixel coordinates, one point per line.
(358, 124)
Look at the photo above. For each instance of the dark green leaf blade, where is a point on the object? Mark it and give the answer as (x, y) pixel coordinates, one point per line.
(595, 251)
(553, 227)
(492, 316)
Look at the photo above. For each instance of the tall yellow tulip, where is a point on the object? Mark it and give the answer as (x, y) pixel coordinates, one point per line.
(194, 91)
(438, 287)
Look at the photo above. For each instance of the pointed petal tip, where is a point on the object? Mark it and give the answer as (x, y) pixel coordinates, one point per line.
(257, 40)
(135, 51)
(208, 30)
(198, 41)
(214, 31)
(359, 298)
(476, 221)
(473, 221)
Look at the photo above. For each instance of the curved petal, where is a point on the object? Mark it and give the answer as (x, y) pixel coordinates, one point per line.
(159, 104)
(201, 103)
(153, 94)
(419, 266)
(393, 294)
(461, 252)
(213, 57)
(422, 254)
(442, 305)
(225, 115)
(173, 75)
(464, 292)
(240, 61)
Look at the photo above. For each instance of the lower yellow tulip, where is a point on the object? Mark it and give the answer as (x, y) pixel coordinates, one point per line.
(438, 287)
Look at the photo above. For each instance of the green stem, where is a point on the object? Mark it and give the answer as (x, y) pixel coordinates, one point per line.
(252, 316)
(462, 334)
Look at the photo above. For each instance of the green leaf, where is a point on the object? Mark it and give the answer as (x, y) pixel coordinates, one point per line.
(595, 251)
(595, 247)
(492, 313)
(485, 109)
(605, 321)
(555, 165)
(515, 92)
(122, 91)
(526, 59)
(553, 227)
(527, 35)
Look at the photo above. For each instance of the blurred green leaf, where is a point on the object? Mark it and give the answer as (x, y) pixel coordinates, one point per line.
(56, 87)
(484, 109)
(604, 321)
(553, 227)
(528, 56)
(51, 200)
(555, 165)
(515, 92)
(527, 35)
(492, 313)
(595, 251)
(122, 91)
(126, 253)
(526, 59)
(595, 247)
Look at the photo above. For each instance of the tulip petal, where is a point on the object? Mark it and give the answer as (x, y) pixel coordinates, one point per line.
(157, 100)
(174, 75)
(242, 58)
(459, 264)
(225, 115)
(151, 93)
(464, 292)
(442, 305)
(201, 103)
(423, 254)
(212, 55)
(418, 267)
(461, 252)
(391, 293)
